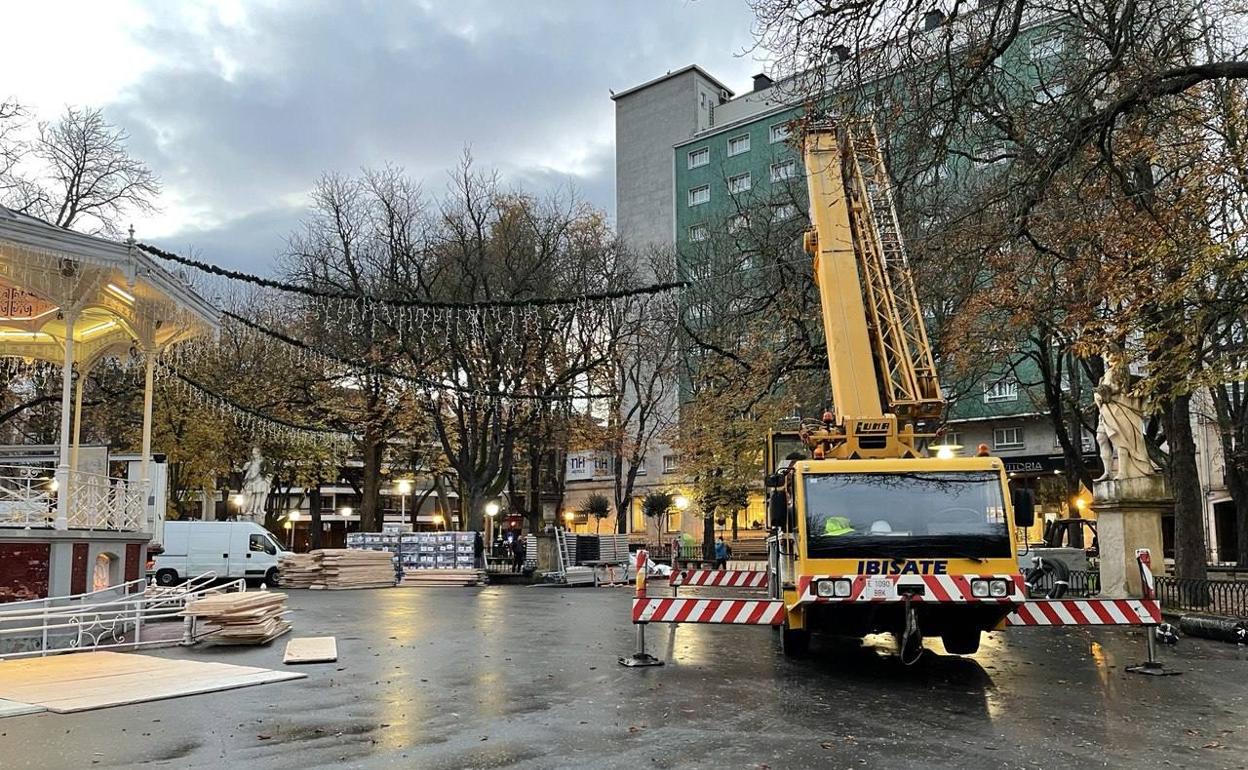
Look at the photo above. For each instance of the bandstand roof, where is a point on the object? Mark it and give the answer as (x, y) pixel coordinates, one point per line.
(118, 296)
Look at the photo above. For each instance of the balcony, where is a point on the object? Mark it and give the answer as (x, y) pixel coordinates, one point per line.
(29, 497)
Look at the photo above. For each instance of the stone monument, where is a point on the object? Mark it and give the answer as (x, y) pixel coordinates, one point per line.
(255, 488)
(1130, 497)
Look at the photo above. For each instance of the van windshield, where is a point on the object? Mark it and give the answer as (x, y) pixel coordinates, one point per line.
(954, 513)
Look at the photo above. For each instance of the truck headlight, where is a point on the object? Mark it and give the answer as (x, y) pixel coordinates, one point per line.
(980, 589)
(836, 588)
(999, 588)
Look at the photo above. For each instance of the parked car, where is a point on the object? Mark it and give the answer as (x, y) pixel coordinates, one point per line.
(231, 549)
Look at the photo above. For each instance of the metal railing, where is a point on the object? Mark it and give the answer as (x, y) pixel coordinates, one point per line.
(1080, 584)
(28, 498)
(90, 621)
(1215, 597)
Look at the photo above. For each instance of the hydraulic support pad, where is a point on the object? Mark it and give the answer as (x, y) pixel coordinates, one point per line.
(1086, 612)
(729, 578)
(728, 611)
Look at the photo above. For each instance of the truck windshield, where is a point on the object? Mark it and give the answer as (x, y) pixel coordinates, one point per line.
(939, 514)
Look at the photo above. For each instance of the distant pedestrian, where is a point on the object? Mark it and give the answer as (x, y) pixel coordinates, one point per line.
(519, 552)
(478, 551)
(721, 553)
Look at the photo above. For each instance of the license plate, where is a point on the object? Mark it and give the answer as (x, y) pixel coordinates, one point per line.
(880, 588)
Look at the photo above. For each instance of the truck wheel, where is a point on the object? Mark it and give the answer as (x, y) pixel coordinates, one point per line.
(962, 642)
(270, 577)
(794, 642)
(167, 577)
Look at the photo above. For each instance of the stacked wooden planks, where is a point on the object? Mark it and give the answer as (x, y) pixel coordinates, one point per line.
(343, 568)
(443, 577)
(298, 570)
(241, 618)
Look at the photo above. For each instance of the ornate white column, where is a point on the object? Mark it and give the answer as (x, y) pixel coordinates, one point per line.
(73, 452)
(149, 510)
(62, 468)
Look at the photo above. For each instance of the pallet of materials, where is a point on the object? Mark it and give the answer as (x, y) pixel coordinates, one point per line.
(241, 618)
(298, 570)
(346, 568)
(443, 577)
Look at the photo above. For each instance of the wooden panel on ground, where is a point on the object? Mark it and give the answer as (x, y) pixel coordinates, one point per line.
(11, 708)
(311, 649)
(242, 618)
(90, 680)
(443, 577)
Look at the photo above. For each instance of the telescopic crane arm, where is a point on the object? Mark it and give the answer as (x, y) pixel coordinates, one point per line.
(879, 357)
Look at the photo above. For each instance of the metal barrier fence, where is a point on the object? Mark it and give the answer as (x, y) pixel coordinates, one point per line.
(1216, 597)
(98, 621)
(1081, 584)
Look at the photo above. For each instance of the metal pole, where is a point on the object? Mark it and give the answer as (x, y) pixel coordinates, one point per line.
(149, 369)
(73, 452)
(62, 468)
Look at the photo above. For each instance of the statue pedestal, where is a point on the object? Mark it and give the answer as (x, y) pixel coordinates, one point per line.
(547, 552)
(1128, 517)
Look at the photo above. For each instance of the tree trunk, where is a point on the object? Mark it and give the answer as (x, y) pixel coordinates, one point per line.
(708, 536)
(315, 530)
(1189, 531)
(370, 521)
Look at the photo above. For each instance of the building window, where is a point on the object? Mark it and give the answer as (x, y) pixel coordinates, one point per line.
(739, 183)
(670, 463)
(699, 157)
(672, 521)
(737, 223)
(784, 211)
(698, 233)
(739, 144)
(1007, 438)
(783, 170)
(952, 438)
(1046, 47)
(1001, 390)
(699, 195)
(779, 132)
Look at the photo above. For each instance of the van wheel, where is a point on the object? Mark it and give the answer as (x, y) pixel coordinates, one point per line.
(270, 577)
(167, 577)
(961, 642)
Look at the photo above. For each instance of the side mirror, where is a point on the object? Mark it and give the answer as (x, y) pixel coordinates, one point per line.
(1024, 507)
(777, 508)
(774, 481)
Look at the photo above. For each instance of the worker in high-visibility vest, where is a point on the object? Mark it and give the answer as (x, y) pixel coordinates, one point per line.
(836, 525)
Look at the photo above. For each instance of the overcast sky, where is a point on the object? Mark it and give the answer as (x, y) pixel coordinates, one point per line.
(239, 106)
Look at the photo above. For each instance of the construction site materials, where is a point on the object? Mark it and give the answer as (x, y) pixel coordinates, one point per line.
(347, 568)
(443, 577)
(90, 680)
(420, 550)
(298, 570)
(241, 618)
(1215, 627)
(311, 649)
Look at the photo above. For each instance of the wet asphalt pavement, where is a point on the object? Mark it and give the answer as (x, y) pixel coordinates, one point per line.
(526, 677)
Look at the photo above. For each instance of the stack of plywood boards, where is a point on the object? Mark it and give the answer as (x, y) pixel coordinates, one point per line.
(241, 618)
(299, 570)
(90, 680)
(443, 577)
(343, 568)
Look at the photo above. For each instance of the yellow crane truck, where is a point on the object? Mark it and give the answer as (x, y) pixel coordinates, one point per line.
(875, 532)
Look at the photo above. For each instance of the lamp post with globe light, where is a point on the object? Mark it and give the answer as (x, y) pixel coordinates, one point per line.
(491, 510)
(404, 488)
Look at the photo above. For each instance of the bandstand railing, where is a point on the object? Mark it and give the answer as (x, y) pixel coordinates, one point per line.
(29, 493)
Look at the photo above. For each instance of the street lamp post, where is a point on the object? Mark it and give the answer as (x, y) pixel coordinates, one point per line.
(491, 510)
(405, 489)
(238, 501)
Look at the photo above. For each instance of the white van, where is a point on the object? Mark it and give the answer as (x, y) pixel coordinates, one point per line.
(232, 549)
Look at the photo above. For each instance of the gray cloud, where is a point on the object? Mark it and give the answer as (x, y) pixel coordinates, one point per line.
(240, 120)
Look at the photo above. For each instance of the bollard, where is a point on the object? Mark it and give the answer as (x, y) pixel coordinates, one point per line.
(641, 658)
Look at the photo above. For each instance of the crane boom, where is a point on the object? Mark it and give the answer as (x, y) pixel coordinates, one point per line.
(880, 360)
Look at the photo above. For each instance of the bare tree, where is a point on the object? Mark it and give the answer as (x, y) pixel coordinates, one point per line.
(85, 178)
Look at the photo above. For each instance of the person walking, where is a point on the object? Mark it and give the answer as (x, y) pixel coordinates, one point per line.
(478, 551)
(721, 553)
(519, 552)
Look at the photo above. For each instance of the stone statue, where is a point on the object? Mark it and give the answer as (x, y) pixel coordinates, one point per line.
(1121, 426)
(255, 488)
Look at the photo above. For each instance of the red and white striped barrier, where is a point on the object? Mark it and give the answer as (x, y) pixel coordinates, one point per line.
(1086, 612)
(727, 578)
(754, 612)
